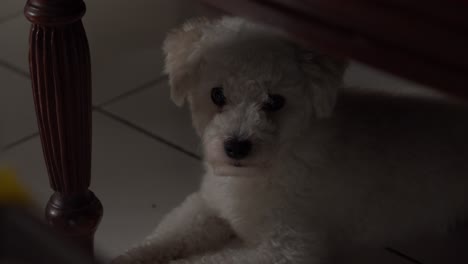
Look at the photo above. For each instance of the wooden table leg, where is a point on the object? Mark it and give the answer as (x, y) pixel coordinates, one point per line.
(61, 80)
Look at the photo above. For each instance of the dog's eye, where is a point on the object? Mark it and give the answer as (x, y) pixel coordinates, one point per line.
(275, 102)
(217, 96)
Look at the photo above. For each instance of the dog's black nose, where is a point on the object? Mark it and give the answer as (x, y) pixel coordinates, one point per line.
(237, 149)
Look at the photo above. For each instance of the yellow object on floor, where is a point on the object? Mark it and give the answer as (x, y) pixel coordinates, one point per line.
(11, 191)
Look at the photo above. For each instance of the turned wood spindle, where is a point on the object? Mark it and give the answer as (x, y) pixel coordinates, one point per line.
(60, 70)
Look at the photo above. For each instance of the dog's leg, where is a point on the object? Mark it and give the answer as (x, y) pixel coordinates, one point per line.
(285, 246)
(190, 229)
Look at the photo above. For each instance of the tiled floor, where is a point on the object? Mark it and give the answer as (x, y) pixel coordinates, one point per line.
(145, 152)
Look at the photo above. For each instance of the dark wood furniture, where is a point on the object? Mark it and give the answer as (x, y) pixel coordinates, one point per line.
(61, 80)
(425, 41)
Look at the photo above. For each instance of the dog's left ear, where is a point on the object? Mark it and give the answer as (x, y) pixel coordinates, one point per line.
(182, 58)
(325, 77)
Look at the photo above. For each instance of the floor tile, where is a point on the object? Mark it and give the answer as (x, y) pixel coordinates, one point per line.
(371, 79)
(125, 39)
(9, 8)
(14, 44)
(439, 249)
(153, 110)
(137, 179)
(17, 116)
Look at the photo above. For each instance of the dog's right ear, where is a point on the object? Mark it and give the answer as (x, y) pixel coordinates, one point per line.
(182, 58)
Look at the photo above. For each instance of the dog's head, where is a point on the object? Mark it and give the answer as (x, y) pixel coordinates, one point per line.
(250, 91)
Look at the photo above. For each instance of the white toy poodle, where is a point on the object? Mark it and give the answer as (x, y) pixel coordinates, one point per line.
(293, 174)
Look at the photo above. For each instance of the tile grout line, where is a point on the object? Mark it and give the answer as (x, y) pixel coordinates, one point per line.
(146, 133)
(117, 98)
(120, 120)
(15, 69)
(19, 141)
(11, 16)
(98, 108)
(134, 91)
(404, 256)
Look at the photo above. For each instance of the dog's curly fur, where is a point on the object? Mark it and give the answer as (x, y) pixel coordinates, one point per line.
(366, 170)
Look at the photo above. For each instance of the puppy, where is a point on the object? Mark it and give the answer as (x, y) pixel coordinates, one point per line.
(292, 173)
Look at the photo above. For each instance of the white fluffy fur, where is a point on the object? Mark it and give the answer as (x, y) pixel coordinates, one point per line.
(371, 170)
